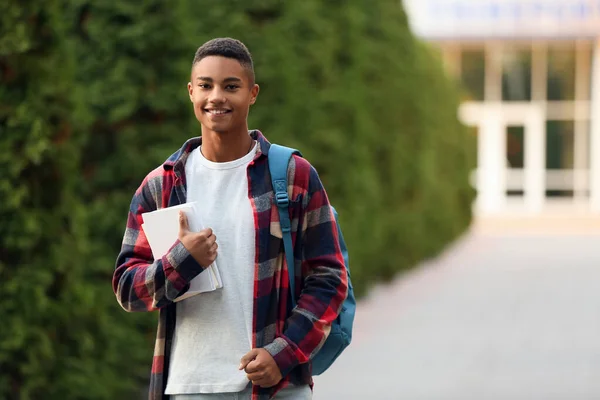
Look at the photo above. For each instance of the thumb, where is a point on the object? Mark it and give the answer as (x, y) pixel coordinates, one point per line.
(183, 223)
(251, 355)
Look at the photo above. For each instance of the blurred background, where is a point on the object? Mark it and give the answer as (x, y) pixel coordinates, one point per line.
(459, 140)
(511, 309)
(529, 73)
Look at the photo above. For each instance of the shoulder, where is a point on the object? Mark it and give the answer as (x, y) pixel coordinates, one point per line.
(303, 175)
(162, 178)
(149, 195)
(299, 165)
(153, 181)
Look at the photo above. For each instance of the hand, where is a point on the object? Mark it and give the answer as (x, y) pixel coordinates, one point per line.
(260, 368)
(201, 245)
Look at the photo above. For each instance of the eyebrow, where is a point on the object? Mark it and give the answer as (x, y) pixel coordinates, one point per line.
(226, 80)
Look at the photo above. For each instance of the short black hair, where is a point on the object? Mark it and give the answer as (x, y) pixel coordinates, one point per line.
(229, 48)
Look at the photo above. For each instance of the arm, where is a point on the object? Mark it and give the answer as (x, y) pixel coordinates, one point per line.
(325, 282)
(141, 283)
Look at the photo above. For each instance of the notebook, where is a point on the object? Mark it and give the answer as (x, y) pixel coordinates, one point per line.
(162, 229)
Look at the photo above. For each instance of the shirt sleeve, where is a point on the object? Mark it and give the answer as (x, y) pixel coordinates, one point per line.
(139, 282)
(325, 281)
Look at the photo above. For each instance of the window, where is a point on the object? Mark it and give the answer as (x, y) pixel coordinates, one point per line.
(560, 144)
(473, 73)
(560, 158)
(561, 73)
(515, 146)
(516, 75)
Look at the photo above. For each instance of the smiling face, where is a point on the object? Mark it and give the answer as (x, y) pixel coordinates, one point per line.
(222, 91)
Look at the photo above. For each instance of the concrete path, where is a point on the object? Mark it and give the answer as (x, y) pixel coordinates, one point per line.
(500, 316)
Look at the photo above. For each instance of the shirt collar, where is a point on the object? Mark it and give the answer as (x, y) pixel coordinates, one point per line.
(177, 161)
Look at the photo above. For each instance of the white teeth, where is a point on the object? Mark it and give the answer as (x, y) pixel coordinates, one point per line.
(217, 112)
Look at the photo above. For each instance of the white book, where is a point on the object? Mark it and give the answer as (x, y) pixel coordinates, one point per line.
(162, 229)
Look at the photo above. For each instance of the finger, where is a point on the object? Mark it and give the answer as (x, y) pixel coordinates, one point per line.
(256, 376)
(183, 222)
(254, 367)
(213, 250)
(214, 247)
(249, 356)
(264, 383)
(212, 240)
(208, 232)
(258, 382)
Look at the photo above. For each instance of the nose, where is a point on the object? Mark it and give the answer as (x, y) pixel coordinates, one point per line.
(217, 95)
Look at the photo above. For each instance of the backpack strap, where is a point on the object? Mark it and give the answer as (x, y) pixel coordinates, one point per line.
(279, 159)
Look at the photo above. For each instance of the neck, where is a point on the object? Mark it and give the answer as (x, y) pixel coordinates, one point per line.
(225, 147)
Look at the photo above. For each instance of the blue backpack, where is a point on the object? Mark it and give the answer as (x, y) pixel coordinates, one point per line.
(341, 329)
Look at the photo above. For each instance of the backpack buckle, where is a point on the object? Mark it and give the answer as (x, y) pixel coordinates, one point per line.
(282, 199)
(281, 195)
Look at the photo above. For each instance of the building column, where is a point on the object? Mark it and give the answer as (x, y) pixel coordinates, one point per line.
(581, 160)
(535, 161)
(491, 171)
(595, 132)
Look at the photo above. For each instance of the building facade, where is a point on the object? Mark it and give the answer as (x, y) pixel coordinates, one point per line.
(531, 70)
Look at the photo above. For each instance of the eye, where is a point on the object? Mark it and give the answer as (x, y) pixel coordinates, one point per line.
(204, 86)
(232, 87)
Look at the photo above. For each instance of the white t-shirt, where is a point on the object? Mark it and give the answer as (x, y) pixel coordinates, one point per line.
(214, 329)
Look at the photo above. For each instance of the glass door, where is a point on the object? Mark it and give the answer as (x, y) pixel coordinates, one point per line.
(524, 153)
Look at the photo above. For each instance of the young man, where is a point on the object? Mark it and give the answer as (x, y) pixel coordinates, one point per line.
(242, 341)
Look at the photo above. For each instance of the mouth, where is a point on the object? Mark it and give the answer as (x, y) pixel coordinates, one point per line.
(217, 111)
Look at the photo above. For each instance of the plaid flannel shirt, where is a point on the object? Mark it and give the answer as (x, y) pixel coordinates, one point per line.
(292, 337)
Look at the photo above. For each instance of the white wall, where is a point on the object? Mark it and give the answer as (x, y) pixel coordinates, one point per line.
(595, 132)
(456, 19)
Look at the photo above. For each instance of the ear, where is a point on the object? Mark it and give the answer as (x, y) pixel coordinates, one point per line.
(190, 88)
(254, 93)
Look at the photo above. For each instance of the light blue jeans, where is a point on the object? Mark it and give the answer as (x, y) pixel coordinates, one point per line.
(288, 393)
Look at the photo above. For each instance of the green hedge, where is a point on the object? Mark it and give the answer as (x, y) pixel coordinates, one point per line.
(93, 96)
